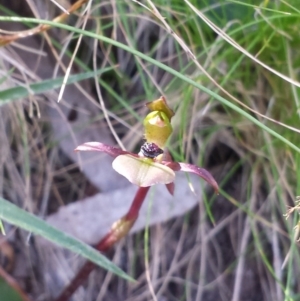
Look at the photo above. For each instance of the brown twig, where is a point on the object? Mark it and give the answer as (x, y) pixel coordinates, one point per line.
(7, 39)
(118, 230)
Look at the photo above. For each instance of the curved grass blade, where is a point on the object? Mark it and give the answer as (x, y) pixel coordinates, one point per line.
(27, 221)
(160, 65)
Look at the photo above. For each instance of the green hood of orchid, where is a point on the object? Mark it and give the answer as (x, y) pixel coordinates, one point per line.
(157, 124)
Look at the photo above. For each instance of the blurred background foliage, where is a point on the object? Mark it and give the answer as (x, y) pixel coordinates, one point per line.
(236, 246)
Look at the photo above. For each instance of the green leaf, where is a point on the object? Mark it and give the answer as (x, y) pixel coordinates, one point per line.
(7, 293)
(19, 217)
(45, 85)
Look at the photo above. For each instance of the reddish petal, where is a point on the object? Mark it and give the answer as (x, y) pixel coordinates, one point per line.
(171, 188)
(167, 156)
(201, 172)
(101, 147)
(143, 172)
(173, 165)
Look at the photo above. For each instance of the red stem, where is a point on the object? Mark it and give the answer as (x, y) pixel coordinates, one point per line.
(137, 202)
(105, 244)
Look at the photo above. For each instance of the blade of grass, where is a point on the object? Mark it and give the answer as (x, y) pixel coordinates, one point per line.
(2, 230)
(8, 293)
(47, 85)
(20, 218)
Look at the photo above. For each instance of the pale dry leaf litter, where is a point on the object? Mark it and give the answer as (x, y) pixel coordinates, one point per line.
(91, 218)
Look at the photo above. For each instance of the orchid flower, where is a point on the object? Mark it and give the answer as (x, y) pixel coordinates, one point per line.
(152, 165)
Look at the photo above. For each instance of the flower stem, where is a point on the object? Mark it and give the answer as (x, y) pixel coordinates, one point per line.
(137, 202)
(118, 230)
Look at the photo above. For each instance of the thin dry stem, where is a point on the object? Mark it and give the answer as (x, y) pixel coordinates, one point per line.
(7, 39)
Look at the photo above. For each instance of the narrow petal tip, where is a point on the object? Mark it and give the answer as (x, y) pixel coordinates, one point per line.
(102, 147)
(202, 173)
(171, 188)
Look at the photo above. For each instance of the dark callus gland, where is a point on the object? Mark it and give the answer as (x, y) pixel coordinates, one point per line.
(151, 150)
